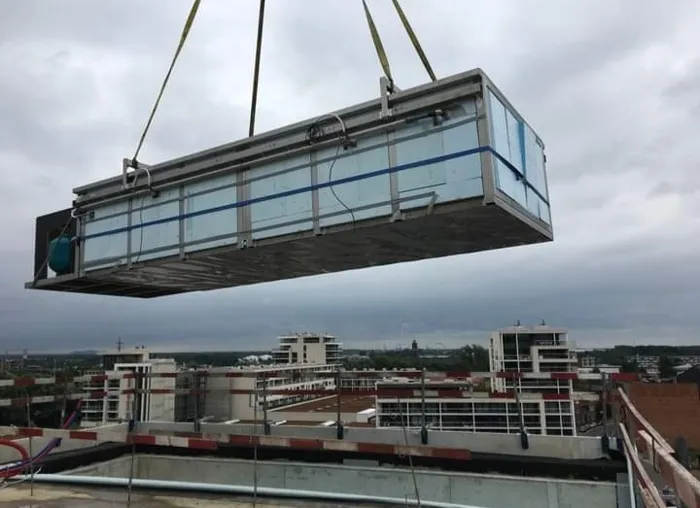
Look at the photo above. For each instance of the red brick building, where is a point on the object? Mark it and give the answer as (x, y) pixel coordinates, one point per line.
(671, 408)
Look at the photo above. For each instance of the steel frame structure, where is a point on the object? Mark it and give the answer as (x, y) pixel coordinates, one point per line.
(193, 271)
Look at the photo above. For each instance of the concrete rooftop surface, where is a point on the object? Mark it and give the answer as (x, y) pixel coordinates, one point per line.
(54, 496)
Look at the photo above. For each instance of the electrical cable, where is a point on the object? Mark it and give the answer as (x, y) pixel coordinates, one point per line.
(149, 182)
(22, 451)
(314, 134)
(142, 204)
(141, 228)
(332, 189)
(54, 443)
(18, 467)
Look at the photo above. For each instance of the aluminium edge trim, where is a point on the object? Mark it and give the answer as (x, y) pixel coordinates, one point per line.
(357, 117)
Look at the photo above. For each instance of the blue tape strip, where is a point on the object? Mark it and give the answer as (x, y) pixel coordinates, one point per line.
(301, 190)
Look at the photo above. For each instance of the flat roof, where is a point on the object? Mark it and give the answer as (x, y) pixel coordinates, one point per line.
(272, 367)
(311, 423)
(537, 329)
(348, 404)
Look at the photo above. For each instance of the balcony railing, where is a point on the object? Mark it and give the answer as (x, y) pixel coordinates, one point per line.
(551, 342)
(563, 359)
(522, 358)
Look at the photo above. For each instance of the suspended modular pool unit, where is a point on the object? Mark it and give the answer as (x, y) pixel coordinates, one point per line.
(445, 168)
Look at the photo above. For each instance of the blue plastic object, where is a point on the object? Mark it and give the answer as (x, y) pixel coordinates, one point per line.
(60, 255)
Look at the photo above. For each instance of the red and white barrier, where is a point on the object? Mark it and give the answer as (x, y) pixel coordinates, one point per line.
(118, 434)
(109, 433)
(23, 401)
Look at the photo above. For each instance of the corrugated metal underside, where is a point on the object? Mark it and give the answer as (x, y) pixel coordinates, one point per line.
(444, 232)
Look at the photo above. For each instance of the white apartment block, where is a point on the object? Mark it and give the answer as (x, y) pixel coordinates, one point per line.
(546, 405)
(307, 348)
(532, 349)
(228, 388)
(118, 406)
(367, 379)
(586, 360)
(475, 411)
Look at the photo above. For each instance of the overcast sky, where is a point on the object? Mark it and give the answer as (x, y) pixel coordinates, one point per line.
(611, 87)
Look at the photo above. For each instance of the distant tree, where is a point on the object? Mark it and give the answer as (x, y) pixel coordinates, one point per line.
(666, 369)
(467, 358)
(630, 366)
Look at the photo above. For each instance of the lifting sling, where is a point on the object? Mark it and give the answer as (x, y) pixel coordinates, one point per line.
(183, 38)
(379, 47)
(376, 40)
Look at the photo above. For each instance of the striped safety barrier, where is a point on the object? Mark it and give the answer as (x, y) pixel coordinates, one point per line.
(42, 399)
(197, 441)
(107, 434)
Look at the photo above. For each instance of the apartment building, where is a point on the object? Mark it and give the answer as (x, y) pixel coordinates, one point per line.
(586, 360)
(472, 411)
(532, 349)
(231, 390)
(190, 401)
(301, 361)
(367, 379)
(307, 348)
(546, 405)
(115, 405)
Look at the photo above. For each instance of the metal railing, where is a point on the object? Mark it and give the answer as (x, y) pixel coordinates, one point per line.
(647, 450)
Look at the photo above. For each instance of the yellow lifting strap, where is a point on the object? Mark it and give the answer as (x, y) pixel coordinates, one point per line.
(379, 47)
(183, 38)
(414, 40)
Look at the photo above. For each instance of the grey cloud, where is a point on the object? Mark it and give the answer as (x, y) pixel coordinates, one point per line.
(620, 138)
(77, 21)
